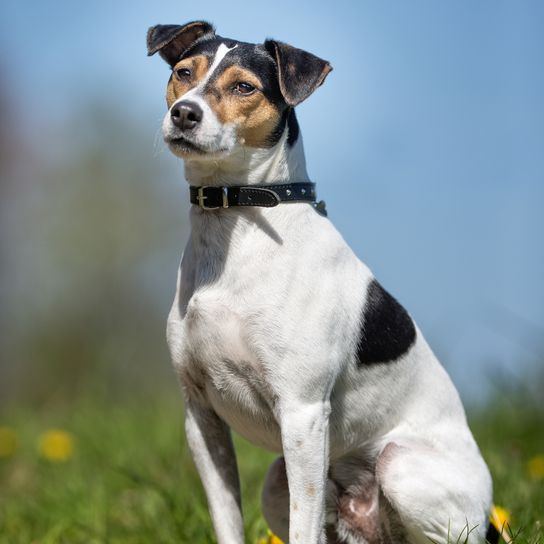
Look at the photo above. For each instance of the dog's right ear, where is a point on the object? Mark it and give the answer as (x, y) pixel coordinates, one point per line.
(172, 40)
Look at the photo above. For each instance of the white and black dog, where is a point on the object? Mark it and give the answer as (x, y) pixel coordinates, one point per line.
(279, 331)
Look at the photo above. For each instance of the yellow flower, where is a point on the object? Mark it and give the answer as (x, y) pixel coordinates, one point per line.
(535, 466)
(8, 441)
(500, 519)
(56, 445)
(270, 539)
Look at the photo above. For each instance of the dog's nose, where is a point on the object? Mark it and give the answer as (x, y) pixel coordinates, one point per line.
(186, 115)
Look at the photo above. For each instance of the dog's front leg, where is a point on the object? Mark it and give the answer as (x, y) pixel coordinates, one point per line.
(305, 441)
(213, 453)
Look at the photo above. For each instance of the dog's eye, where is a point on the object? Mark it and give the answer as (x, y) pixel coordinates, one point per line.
(183, 74)
(243, 87)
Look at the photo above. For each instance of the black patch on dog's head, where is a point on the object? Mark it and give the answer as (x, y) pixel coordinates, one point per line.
(387, 331)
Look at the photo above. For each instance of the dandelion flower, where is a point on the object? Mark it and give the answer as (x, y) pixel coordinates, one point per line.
(56, 445)
(8, 442)
(500, 520)
(535, 466)
(499, 516)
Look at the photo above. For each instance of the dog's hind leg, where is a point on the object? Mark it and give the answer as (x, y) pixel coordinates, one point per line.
(440, 496)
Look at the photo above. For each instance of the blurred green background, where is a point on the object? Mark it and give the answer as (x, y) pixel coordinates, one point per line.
(438, 133)
(91, 243)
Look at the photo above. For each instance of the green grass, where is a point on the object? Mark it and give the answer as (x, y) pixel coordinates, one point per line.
(131, 479)
(510, 432)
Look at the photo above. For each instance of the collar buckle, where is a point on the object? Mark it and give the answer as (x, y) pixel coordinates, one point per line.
(201, 197)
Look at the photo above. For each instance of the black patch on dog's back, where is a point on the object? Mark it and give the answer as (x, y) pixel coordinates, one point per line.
(387, 331)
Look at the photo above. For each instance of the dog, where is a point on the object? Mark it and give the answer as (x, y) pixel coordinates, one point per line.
(281, 333)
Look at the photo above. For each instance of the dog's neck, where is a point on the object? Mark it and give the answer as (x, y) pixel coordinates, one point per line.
(282, 163)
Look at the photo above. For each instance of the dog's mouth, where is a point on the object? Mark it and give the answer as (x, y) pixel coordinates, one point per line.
(183, 145)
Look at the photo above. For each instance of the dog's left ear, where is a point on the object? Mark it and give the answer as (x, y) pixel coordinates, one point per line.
(172, 40)
(299, 73)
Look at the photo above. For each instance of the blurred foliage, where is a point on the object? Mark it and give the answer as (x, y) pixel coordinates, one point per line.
(509, 432)
(130, 479)
(93, 227)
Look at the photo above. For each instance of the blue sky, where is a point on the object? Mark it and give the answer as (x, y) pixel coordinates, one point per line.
(426, 141)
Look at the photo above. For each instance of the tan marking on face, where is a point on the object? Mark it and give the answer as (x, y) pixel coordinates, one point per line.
(176, 88)
(254, 115)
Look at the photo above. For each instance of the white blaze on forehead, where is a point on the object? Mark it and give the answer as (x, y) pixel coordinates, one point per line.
(220, 54)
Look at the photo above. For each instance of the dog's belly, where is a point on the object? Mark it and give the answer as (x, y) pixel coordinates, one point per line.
(247, 415)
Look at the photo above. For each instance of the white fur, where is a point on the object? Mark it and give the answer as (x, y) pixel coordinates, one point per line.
(262, 334)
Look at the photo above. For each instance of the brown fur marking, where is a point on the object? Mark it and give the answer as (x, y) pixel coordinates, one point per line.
(176, 88)
(255, 116)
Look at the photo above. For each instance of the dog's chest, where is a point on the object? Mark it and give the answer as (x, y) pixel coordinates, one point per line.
(220, 361)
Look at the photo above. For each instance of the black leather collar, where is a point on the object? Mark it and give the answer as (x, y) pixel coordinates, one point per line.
(212, 198)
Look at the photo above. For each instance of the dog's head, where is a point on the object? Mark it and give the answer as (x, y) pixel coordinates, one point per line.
(223, 94)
